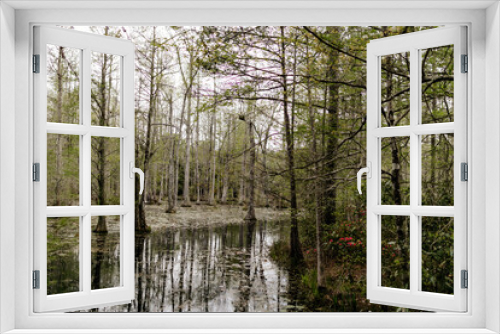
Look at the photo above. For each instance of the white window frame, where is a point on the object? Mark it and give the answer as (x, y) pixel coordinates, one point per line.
(483, 102)
(414, 43)
(124, 50)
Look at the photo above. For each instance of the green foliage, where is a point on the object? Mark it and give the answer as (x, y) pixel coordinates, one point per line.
(437, 255)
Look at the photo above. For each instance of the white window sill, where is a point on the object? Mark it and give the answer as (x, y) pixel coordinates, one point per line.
(250, 331)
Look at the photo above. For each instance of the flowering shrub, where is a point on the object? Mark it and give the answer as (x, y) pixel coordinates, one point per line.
(346, 244)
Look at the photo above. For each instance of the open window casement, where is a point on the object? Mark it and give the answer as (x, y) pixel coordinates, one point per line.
(93, 76)
(417, 104)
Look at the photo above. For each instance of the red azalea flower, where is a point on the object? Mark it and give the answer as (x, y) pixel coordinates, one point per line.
(342, 239)
(331, 240)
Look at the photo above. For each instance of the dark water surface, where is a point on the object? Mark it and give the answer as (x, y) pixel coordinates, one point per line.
(223, 268)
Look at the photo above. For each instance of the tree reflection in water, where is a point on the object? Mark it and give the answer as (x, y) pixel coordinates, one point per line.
(224, 268)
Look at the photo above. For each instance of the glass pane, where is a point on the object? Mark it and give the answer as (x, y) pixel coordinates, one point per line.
(105, 252)
(437, 170)
(396, 252)
(63, 170)
(105, 171)
(63, 261)
(437, 254)
(396, 171)
(105, 89)
(437, 84)
(395, 99)
(63, 84)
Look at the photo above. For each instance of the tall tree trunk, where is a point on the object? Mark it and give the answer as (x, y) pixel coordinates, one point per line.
(59, 138)
(160, 195)
(171, 162)
(316, 174)
(211, 194)
(225, 175)
(154, 186)
(401, 228)
(251, 182)
(296, 255)
(177, 155)
(265, 172)
(188, 83)
(101, 148)
(197, 171)
(187, 199)
(141, 226)
(243, 175)
(332, 130)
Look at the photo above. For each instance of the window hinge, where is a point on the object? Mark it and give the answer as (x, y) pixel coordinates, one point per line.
(464, 171)
(36, 172)
(36, 63)
(36, 279)
(465, 64)
(465, 279)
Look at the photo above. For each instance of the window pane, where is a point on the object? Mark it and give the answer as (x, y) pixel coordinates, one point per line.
(105, 252)
(396, 171)
(437, 254)
(105, 171)
(63, 262)
(63, 170)
(395, 99)
(437, 170)
(396, 252)
(63, 84)
(105, 89)
(437, 84)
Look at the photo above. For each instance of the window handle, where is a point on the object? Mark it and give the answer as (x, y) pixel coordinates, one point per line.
(368, 171)
(134, 170)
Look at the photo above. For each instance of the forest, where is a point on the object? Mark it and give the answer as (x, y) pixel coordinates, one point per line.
(253, 127)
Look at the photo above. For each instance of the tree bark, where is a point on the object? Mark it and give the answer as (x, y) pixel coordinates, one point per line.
(316, 173)
(243, 175)
(211, 194)
(332, 131)
(225, 176)
(197, 171)
(100, 142)
(296, 255)
(401, 228)
(171, 162)
(141, 226)
(265, 172)
(59, 139)
(187, 168)
(251, 182)
(187, 199)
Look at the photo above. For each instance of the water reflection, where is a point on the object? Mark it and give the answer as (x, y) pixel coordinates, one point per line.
(224, 268)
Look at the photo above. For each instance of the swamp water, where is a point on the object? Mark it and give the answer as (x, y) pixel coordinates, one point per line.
(217, 268)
